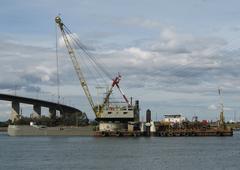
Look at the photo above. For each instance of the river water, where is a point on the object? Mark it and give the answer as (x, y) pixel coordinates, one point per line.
(49, 153)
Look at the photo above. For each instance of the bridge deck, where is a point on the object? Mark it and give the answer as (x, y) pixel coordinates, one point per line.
(42, 103)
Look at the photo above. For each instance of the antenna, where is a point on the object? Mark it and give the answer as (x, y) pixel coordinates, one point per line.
(220, 99)
(234, 116)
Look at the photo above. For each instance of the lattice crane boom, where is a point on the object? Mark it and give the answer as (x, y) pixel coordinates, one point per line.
(75, 64)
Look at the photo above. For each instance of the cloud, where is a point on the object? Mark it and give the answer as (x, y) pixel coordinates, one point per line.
(227, 109)
(213, 107)
(25, 66)
(75, 42)
(177, 68)
(180, 60)
(173, 62)
(218, 107)
(140, 22)
(70, 37)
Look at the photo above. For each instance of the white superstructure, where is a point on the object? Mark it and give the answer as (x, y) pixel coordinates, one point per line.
(174, 118)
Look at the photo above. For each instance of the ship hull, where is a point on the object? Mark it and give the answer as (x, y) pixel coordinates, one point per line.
(25, 130)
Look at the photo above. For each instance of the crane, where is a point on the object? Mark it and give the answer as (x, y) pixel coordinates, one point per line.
(98, 110)
(75, 63)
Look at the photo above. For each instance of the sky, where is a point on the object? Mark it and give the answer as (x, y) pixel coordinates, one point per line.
(172, 55)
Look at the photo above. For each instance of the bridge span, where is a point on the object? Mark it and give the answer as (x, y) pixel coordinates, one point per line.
(37, 104)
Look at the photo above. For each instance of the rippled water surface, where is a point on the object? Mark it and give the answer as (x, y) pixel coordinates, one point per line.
(119, 153)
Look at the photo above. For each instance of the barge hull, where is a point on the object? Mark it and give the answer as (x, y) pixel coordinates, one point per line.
(223, 132)
(24, 130)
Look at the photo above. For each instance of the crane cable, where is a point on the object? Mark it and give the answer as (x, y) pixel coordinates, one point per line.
(76, 42)
(95, 65)
(84, 49)
(83, 59)
(94, 70)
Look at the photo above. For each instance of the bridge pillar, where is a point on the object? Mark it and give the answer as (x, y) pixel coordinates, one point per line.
(52, 113)
(62, 114)
(15, 111)
(36, 111)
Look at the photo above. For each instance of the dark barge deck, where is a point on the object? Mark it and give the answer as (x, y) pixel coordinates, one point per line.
(210, 132)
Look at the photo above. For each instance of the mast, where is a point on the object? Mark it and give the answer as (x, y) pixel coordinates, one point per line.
(221, 121)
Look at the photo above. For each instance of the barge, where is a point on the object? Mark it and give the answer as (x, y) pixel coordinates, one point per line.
(25, 130)
(171, 126)
(196, 132)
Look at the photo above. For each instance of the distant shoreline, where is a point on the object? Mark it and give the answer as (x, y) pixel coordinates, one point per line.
(3, 129)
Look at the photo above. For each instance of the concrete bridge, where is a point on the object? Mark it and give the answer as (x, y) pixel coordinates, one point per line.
(37, 104)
